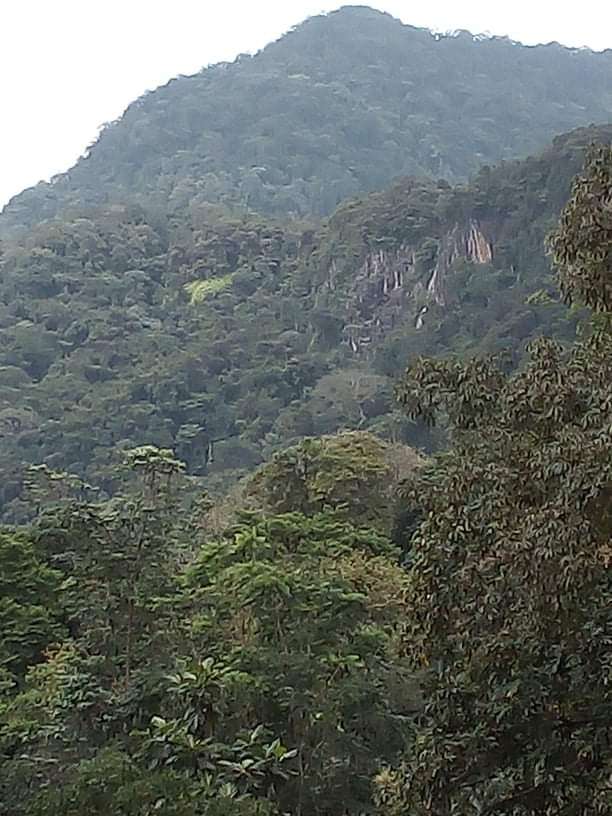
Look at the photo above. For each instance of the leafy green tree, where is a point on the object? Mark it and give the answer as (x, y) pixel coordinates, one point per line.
(114, 783)
(63, 752)
(509, 617)
(266, 676)
(304, 612)
(119, 557)
(116, 561)
(354, 473)
(582, 245)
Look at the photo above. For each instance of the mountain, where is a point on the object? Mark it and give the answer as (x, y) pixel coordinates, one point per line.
(340, 105)
(228, 338)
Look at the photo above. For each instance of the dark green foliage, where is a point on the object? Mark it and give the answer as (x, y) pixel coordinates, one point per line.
(582, 245)
(102, 345)
(263, 673)
(113, 783)
(511, 605)
(511, 608)
(31, 613)
(309, 610)
(355, 474)
(339, 106)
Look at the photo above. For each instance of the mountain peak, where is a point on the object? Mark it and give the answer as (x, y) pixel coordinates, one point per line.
(339, 106)
(350, 13)
(358, 11)
(351, 19)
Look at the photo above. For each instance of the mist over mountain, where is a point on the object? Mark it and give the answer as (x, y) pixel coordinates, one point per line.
(340, 105)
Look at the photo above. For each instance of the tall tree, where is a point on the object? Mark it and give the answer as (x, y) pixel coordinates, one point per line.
(353, 473)
(511, 610)
(115, 560)
(309, 610)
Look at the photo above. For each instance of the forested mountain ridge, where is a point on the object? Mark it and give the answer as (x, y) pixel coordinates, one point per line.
(226, 339)
(341, 105)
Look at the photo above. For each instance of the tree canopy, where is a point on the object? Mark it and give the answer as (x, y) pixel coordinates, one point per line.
(314, 518)
(510, 605)
(229, 339)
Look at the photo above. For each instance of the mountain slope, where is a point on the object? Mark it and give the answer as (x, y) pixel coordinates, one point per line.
(227, 339)
(341, 105)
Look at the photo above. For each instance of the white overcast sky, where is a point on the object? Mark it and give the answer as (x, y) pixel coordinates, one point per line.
(68, 66)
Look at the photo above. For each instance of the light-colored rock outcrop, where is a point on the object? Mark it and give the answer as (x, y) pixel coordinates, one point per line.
(394, 284)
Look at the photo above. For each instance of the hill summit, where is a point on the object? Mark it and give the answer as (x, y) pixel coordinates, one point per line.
(340, 105)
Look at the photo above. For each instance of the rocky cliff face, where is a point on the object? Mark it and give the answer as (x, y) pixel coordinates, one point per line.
(392, 286)
(467, 244)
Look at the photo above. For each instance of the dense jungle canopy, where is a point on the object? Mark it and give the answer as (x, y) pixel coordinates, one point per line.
(306, 441)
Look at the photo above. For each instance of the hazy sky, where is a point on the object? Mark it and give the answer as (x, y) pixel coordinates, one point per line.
(67, 66)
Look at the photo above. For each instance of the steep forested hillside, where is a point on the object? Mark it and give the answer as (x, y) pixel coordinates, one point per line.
(303, 514)
(341, 105)
(357, 629)
(228, 338)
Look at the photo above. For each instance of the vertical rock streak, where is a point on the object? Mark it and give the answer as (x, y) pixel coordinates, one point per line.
(389, 285)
